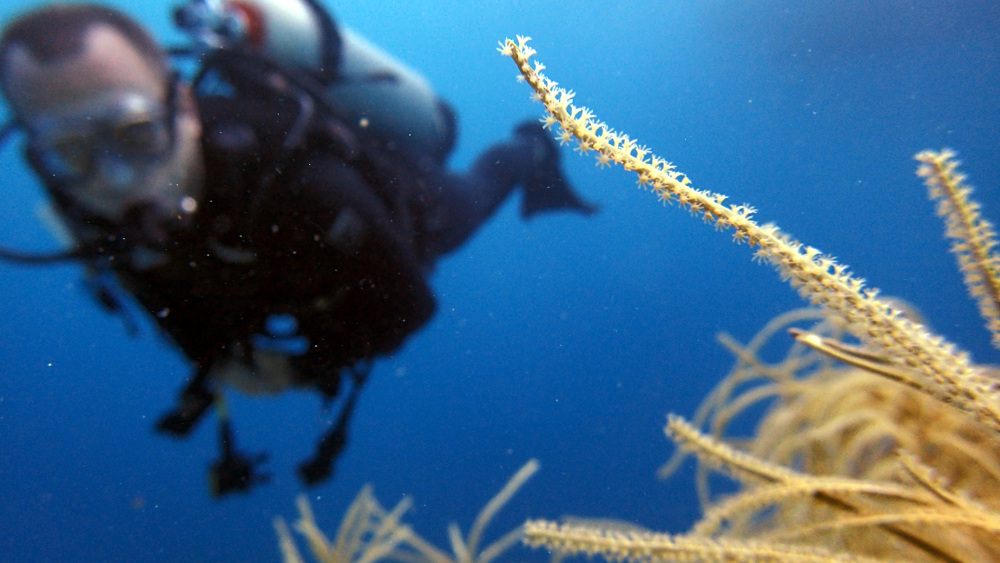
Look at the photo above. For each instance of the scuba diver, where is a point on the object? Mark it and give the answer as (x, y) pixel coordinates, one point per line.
(276, 209)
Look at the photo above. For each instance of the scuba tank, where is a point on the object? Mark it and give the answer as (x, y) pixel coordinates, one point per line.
(378, 96)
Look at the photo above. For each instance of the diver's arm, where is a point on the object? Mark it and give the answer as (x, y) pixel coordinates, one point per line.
(452, 208)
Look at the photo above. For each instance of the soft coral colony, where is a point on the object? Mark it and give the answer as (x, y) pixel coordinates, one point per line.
(909, 471)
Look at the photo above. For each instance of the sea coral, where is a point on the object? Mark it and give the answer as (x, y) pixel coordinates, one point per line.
(973, 238)
(369, 532)
(891, 457)
(843, 429)
(938, 367)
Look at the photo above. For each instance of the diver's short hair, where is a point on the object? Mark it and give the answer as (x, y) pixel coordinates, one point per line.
(57, 32)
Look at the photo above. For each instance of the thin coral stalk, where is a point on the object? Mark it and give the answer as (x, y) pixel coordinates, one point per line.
(467, 550)
(647, 547)
(973, 238)
(946, 372)
(497, 502)
(852, 356)
(289, 553)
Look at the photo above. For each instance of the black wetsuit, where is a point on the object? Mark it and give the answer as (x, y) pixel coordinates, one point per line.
(315, 231)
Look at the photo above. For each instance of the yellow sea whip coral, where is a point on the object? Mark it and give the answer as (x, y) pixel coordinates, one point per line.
(973, 238)
(842, 428)
(936, 366)
(369, 533)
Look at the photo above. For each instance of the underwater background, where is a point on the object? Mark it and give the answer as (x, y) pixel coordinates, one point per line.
(563, 339)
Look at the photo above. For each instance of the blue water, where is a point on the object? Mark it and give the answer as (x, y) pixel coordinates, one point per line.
(563, 339)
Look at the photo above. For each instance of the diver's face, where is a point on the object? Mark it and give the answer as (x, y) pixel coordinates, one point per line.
(106, 127)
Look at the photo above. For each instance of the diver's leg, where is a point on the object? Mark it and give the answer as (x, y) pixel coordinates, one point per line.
(455, 208)
(194, 401)
(319, 468)
(234, 471)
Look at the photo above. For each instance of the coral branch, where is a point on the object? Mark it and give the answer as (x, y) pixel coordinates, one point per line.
(647, 547)
(973, 238)
(945, 372)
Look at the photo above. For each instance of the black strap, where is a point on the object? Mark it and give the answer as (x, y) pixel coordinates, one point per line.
(20, 257)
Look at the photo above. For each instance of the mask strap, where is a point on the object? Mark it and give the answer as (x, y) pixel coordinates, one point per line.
(7, 130)
(19, 257)
(10, 127)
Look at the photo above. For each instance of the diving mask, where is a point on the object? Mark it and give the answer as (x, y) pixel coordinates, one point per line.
(120, 133)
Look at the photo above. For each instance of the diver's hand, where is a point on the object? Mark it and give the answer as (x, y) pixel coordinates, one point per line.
(236, 472)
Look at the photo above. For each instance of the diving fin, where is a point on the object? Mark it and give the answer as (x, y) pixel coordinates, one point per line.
(545, 187)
